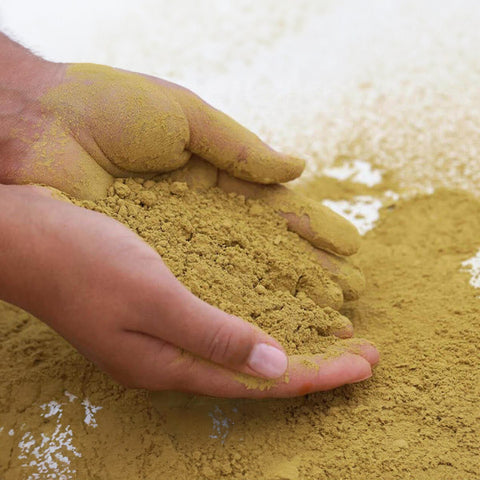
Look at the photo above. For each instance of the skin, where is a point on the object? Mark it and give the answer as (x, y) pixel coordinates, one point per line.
(76, 128)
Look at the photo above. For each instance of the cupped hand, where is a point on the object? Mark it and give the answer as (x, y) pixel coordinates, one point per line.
(86, 125)
(112, 297)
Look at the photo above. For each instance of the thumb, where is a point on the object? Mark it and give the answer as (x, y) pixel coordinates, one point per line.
(182, 319)
(235, 343)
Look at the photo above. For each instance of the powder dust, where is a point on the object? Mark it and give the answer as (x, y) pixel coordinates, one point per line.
(416, 418)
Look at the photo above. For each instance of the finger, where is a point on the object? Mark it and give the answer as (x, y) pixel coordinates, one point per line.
(320, 288)
(197, 174)
(173, 370)
(222, 141)
(343, 331)
(319, 225)
(343, 272)
(171, 312)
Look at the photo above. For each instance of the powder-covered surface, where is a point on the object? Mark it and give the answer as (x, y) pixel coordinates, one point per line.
(417, 418)
(389, 82)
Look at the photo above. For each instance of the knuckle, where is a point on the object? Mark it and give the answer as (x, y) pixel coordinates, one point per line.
(225, 346)
(162, 138)
(219, 344)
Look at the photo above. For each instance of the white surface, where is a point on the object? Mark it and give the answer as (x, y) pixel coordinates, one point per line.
(362, 211)
(221, 424)
(71, 397)
(49, 456)
(357, 171)
(51, 408)
(90, 411)
(472, 266)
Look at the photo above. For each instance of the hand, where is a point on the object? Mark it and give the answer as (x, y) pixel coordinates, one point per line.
(83, 125)
(114, 299)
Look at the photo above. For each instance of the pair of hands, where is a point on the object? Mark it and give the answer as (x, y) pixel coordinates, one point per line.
(98, 284)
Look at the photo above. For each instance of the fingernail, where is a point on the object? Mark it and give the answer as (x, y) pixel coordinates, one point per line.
(366, 377)
(344, 332)
(267, 361)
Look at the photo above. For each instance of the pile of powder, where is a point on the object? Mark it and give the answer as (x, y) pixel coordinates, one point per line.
(416, 418)
(236, 254)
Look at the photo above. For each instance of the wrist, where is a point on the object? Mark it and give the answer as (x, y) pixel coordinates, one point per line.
(13, 243)
(22, 71)
(24, 78)
(28, 244)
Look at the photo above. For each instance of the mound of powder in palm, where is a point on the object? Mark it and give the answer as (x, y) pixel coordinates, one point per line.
(236, 254)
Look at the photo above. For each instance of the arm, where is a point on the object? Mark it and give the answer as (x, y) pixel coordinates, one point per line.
(22, 77)
(19, 68)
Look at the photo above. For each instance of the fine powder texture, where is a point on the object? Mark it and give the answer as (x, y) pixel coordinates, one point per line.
(235, 254)
(417, 417)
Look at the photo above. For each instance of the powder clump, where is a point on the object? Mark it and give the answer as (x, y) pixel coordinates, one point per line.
(233, 253)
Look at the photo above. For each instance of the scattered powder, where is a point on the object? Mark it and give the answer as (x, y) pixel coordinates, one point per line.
(417, 417)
